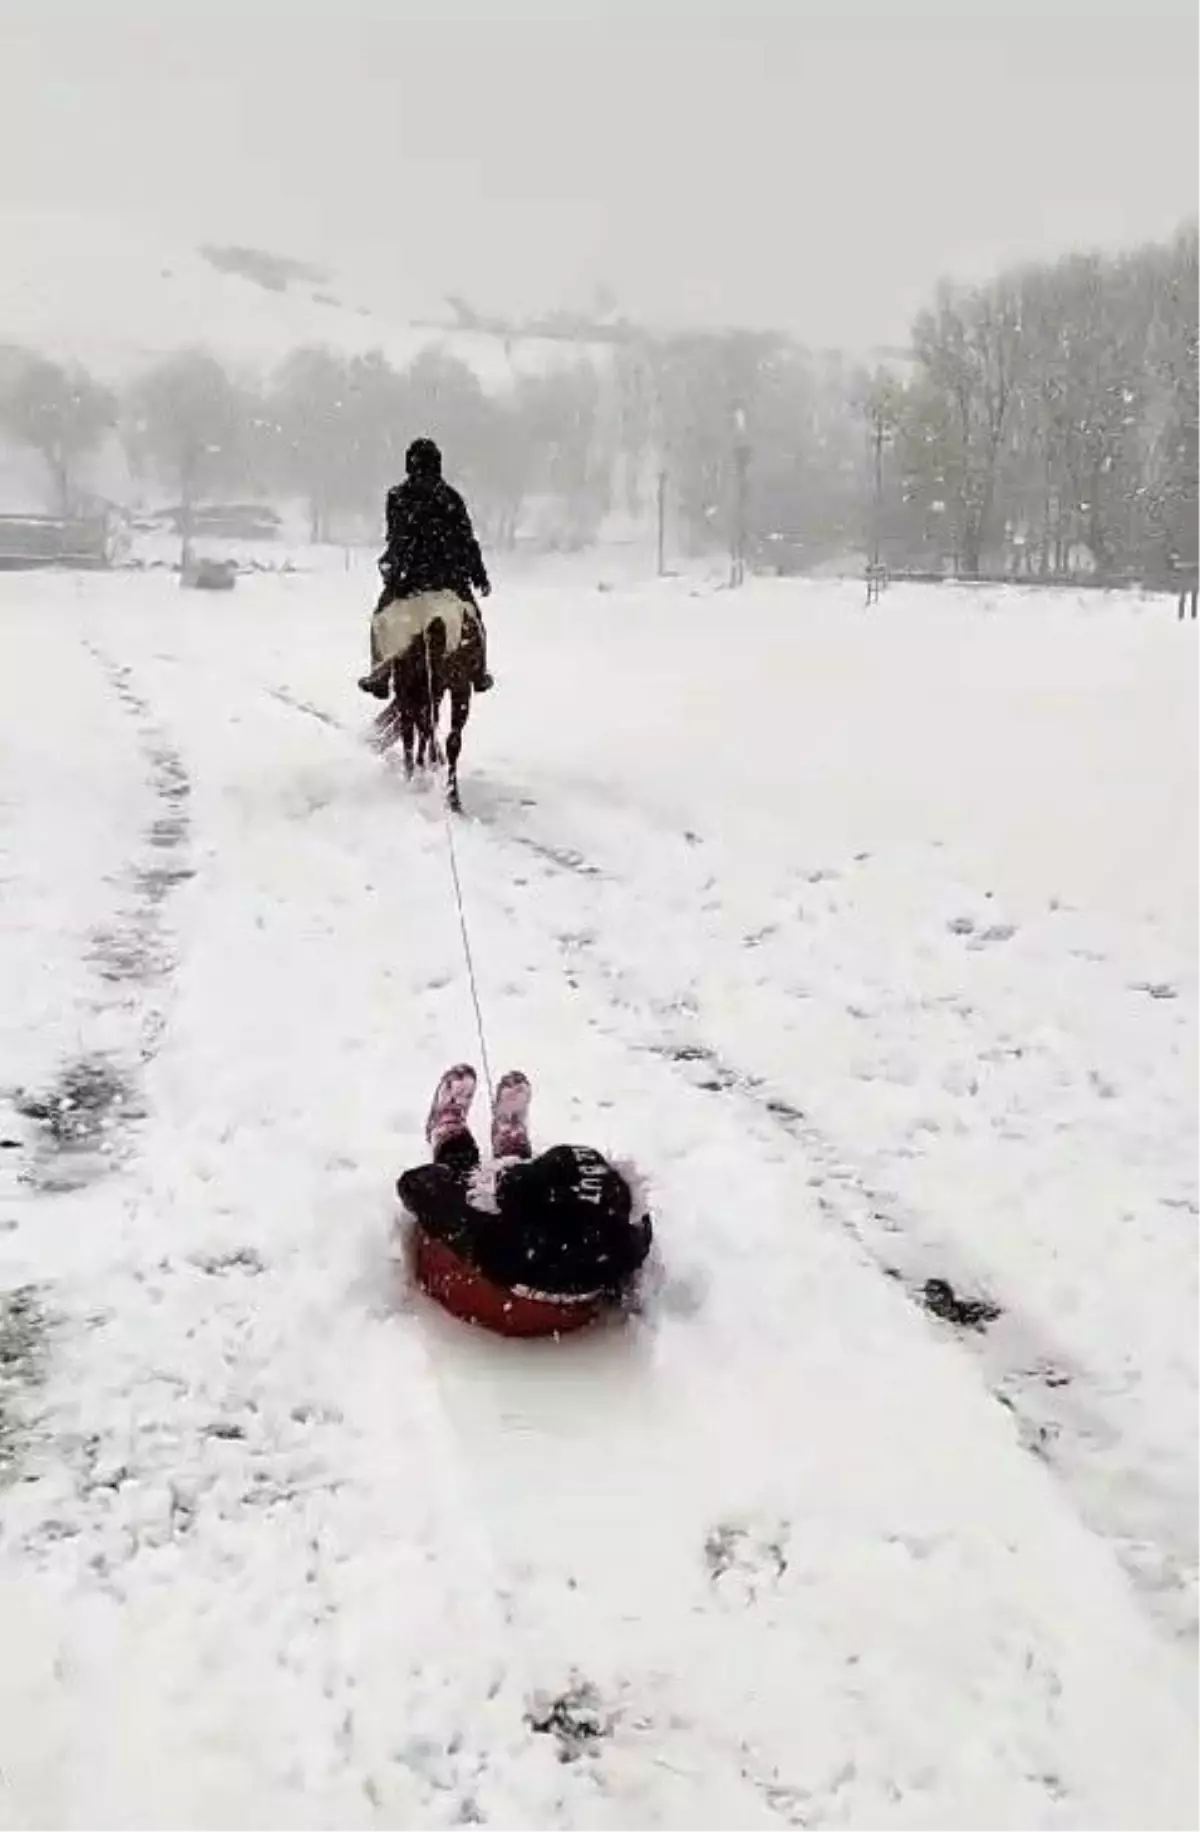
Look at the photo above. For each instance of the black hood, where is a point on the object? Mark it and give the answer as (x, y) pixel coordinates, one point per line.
(423, 461)
(569, 1180)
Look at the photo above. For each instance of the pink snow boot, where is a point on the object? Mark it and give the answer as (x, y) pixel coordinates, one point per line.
(510, 1117)
(451, 1104)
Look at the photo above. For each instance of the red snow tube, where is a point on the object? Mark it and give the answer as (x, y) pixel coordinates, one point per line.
(465, 1293)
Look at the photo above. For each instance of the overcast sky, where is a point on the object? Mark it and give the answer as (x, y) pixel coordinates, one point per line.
(815, 165)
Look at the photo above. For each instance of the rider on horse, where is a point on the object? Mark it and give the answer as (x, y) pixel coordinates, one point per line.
(431, 548)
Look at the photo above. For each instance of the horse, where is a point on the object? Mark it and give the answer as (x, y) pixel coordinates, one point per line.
(421, 678)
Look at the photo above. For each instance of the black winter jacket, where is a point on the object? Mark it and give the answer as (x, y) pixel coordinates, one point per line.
(565, 1223)
(431, 545)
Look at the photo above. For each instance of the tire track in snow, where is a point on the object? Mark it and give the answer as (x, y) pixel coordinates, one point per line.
(139, 951)
(1024, 1370)
(85, 1122)
(86, 1118)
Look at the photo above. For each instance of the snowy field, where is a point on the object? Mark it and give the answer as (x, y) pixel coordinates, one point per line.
(871, 938)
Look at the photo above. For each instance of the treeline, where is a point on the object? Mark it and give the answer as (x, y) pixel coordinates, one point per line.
(326, 430)
(551, 453)
(1050, 420)
(1041, 422)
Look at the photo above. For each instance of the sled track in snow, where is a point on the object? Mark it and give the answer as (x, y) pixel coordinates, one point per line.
(1045, 1393)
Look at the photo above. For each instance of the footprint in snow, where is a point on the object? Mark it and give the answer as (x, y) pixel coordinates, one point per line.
(741, 1557)
(981, 938)
(755, 938)
(941, 1300)
(576, 1718)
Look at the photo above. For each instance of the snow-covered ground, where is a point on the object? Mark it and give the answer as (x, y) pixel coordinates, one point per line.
(871, 937)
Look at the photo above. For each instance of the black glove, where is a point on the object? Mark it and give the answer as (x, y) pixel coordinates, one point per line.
(485, 589)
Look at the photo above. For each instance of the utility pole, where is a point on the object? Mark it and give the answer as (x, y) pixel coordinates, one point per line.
(662, 522)
(875, 568)
(741, 466)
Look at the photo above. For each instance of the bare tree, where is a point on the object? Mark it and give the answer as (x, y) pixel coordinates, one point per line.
(969, 346)
(63, 414)
(558, 414)
(311, 403)
(184, 424)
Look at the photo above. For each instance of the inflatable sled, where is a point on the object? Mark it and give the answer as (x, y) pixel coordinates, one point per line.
(517, 1311)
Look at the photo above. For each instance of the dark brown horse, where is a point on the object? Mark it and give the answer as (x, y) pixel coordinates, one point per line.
(421, 678)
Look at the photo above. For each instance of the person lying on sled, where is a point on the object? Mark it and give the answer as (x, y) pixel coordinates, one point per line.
(561, 1224)
(431, 549)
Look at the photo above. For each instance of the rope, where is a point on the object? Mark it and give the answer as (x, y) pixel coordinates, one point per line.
(456, 881)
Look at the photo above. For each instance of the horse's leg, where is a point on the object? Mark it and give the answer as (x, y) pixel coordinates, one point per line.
(408, 732)
(435, 712)
(402, 708)
(420, 698)
(460, 712)
(430, 755)
(435, 683)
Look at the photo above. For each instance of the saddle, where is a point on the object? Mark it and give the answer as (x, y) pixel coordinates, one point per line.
(398, 624)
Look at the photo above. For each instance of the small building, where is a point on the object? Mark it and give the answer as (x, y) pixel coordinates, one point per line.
(56, 540)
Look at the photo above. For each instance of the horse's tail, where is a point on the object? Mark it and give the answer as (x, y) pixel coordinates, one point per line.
(429, 672)
(436, 652)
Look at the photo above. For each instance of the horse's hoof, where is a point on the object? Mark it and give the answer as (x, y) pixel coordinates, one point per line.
(453, 802)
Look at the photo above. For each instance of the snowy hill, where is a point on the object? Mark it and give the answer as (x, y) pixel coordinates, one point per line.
(114, 296)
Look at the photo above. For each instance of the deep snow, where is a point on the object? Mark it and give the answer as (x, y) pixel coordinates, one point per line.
(871, 938)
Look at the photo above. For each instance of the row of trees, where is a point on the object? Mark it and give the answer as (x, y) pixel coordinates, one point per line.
(326, 430)
(702, 409)
(1050, 415)
(570, 443)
